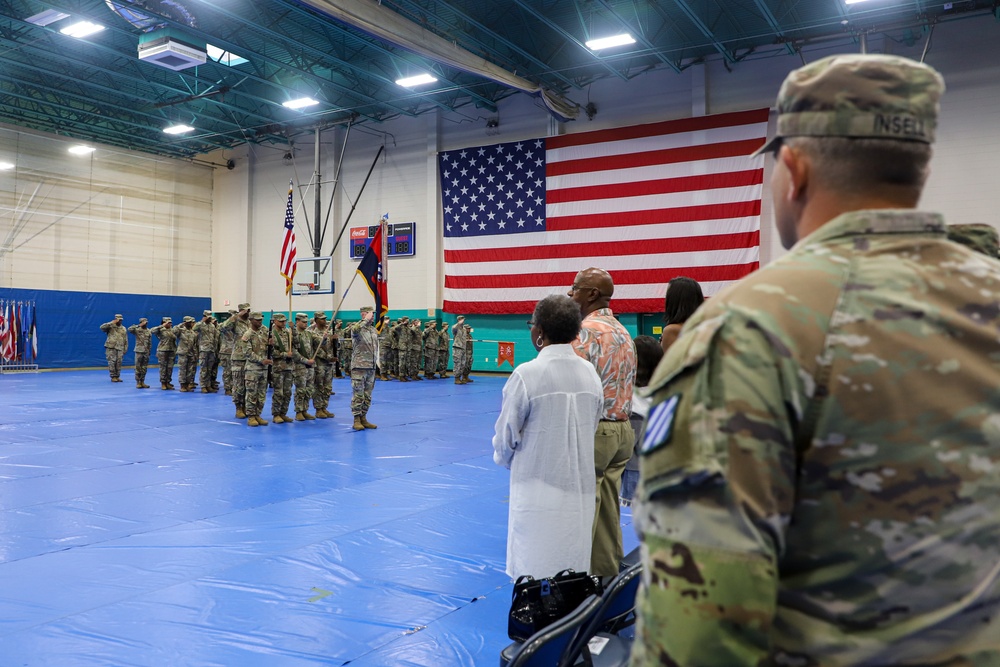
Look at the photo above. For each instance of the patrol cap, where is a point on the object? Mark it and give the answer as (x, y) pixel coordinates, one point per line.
(301, 317)
(233, 311)
(119, 317)
(188, 318)
(243, 306)
(206, 313)
(319, 315)
(279, 317)
(166, 320)
(870, 96)
(979, 236)
(460, 318)
(143, 320)
(404, 318)
(256, 316)
(366, 309)
(432, 323)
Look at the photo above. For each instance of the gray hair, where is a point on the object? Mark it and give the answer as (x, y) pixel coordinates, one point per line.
(558, 317)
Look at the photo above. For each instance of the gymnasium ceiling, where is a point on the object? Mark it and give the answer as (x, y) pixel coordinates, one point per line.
(97, 89)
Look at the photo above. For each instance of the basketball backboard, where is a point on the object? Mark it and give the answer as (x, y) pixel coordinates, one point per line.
(313, 275)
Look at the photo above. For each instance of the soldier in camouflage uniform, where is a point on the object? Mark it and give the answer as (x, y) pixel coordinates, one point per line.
(143, 344)
(443, 346)
(208, 335)
(345, 351)
(187, 353)
(397, 338)
(821, 461)
(430, 349)
(255, 342)
(166, 350)
(281, 369)
(115, 346)
(304, 353)
(323, 370)
(338, 336)
(384, 350)
(227, 336)
(467, 366)
(365, 339)
(238, 324)
(459, 335)
(413, 353)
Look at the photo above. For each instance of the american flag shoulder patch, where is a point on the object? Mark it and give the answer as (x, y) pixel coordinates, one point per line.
(660, 425)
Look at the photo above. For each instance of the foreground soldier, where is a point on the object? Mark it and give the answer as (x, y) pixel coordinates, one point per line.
(413, 354)
(304, 354)
(467, 366)
(115, 346)
(166, 350)
(239, 324)
(365, 340)
(256, 340)
(281, 370)
(323, 370)
(820, 467)
(143, 344)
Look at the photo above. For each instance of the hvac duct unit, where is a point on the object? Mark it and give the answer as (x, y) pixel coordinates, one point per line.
(170, 49)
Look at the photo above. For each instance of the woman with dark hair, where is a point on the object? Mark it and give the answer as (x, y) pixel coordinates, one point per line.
(682, 299)
(545, 436)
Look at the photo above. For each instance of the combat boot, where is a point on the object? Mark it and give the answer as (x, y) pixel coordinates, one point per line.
(307, 416)
(429, 376)
(417, 378)
(240, 413)
(277, 419)
(444, 374)
(358, 426)
(403, 378)
(299, 417)
(138, 385)
(206, 390)
(366, 423)
(286, 419)
(145, 386)
(261, 421)
(321, 413)
(468, 380)
(459, 380)
(252, 421)
(164, 386)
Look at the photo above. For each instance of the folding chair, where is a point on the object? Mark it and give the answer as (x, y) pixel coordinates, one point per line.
(543, 648)
(616, 612)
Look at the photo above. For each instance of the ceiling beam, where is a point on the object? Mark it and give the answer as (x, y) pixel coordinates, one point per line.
(705, 30)
(640, 37)
(765, 11)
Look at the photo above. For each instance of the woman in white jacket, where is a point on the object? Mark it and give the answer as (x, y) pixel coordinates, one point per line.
(545, 436)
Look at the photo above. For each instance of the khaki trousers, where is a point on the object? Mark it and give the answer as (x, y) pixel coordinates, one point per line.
(613, 444)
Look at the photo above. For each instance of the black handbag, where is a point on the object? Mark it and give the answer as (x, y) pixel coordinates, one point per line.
(537, 603)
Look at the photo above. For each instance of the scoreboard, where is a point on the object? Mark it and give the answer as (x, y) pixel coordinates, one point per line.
(400, 239)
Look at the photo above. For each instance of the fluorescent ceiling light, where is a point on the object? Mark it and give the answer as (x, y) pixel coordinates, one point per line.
(81, 150)
(181, 128)
(300, 103)
(47, 17)
(417, 80)
(852, 2)
(608, 42)
(82, 29)
(6, 166)
(224, 57)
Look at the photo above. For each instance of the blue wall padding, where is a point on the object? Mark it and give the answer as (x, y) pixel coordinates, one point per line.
(68, 323)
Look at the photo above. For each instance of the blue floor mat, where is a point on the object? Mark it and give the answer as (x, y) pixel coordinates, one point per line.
(153, 528)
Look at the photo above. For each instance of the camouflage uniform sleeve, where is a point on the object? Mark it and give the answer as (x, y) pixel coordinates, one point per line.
(717, 485)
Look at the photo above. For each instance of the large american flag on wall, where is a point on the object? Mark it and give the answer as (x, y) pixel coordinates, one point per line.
(646, 202)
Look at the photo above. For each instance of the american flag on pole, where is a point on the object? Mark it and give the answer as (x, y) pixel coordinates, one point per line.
(288, 244)
(647, 203)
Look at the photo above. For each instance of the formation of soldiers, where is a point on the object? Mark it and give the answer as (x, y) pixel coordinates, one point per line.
(303, 356)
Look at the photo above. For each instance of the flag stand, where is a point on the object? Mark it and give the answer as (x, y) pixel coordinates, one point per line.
(17, 344)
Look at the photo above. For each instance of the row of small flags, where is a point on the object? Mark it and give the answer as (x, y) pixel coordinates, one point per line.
(18, 331)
